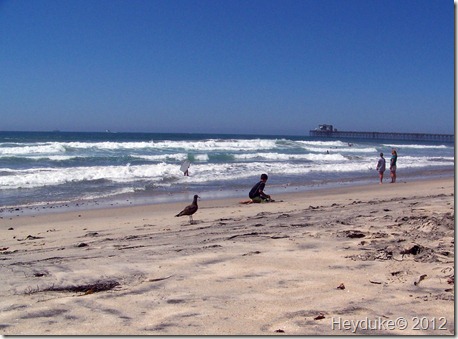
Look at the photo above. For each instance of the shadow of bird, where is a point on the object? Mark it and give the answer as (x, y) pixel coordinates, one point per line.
(190, 209)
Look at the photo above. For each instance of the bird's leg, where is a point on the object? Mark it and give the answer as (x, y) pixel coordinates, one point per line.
(191, 221)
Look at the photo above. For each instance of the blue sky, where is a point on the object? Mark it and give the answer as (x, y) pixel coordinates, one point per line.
(227, 66)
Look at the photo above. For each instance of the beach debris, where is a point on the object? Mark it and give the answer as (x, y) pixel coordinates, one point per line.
(98, 286)
(190, 209)
(279, 331)
(251, 253)
(213, 246)
(91, 234)
(82, 244)
(243, 235)
(341, 286)
(356, 234)
(176, 301)
(40, 274)
(279, 236)
(319, 316)
(342, 222)
(160, 279)
(384, 254)
(300, 225)
(10, 229)
(3, 248)
(31, 237)
(120, 248)
(413, 250)
(353, 234)
(422, 277)
(379, 235)
(380, 254)
(375, 282)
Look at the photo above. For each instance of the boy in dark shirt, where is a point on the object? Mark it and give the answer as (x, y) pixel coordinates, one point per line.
(257, 194)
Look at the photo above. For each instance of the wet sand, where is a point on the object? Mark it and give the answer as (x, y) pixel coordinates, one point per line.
(373, 259)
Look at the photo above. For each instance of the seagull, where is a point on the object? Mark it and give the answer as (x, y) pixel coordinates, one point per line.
(190, 209)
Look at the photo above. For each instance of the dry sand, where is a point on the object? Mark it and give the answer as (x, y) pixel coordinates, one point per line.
(263, 269)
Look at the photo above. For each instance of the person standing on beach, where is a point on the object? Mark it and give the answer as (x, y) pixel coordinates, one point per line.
(257, 194)
(381, 166)
(393, 160)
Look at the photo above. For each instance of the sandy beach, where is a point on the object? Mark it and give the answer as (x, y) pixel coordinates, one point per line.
(373, 259)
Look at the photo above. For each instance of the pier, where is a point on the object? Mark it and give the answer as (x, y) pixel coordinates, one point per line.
(327, 131)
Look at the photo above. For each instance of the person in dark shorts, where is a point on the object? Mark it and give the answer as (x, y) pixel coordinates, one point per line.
(257, 194)
(393, 160)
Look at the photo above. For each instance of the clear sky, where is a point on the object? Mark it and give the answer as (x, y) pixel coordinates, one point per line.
(227, 66)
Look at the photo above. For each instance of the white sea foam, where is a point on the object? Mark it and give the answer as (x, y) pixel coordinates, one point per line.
(156, 173)
(201, 157)
(55, 148)
(163, 157)
(160, 172)
(73, 169)
(24, 150)
(286, 157)
(323, 144)
(40, 177)
(400, 146)
(201, 145)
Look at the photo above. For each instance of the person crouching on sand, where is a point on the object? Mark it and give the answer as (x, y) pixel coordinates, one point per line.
(381, 166)
(257, 194)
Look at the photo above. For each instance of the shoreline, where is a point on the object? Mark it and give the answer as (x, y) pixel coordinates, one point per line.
(305, 265)
(144, 199)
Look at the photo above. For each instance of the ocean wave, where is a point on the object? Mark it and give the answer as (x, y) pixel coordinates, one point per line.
(32, 150)
(210, 145)
(323, 144)
(156, 173)
(287, 157)
(85, 166)
(400, 146)
(39, 177)
(245, 165)
(201, 145)
(162, 157)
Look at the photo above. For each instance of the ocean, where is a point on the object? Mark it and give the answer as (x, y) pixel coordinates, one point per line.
(43, 168)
